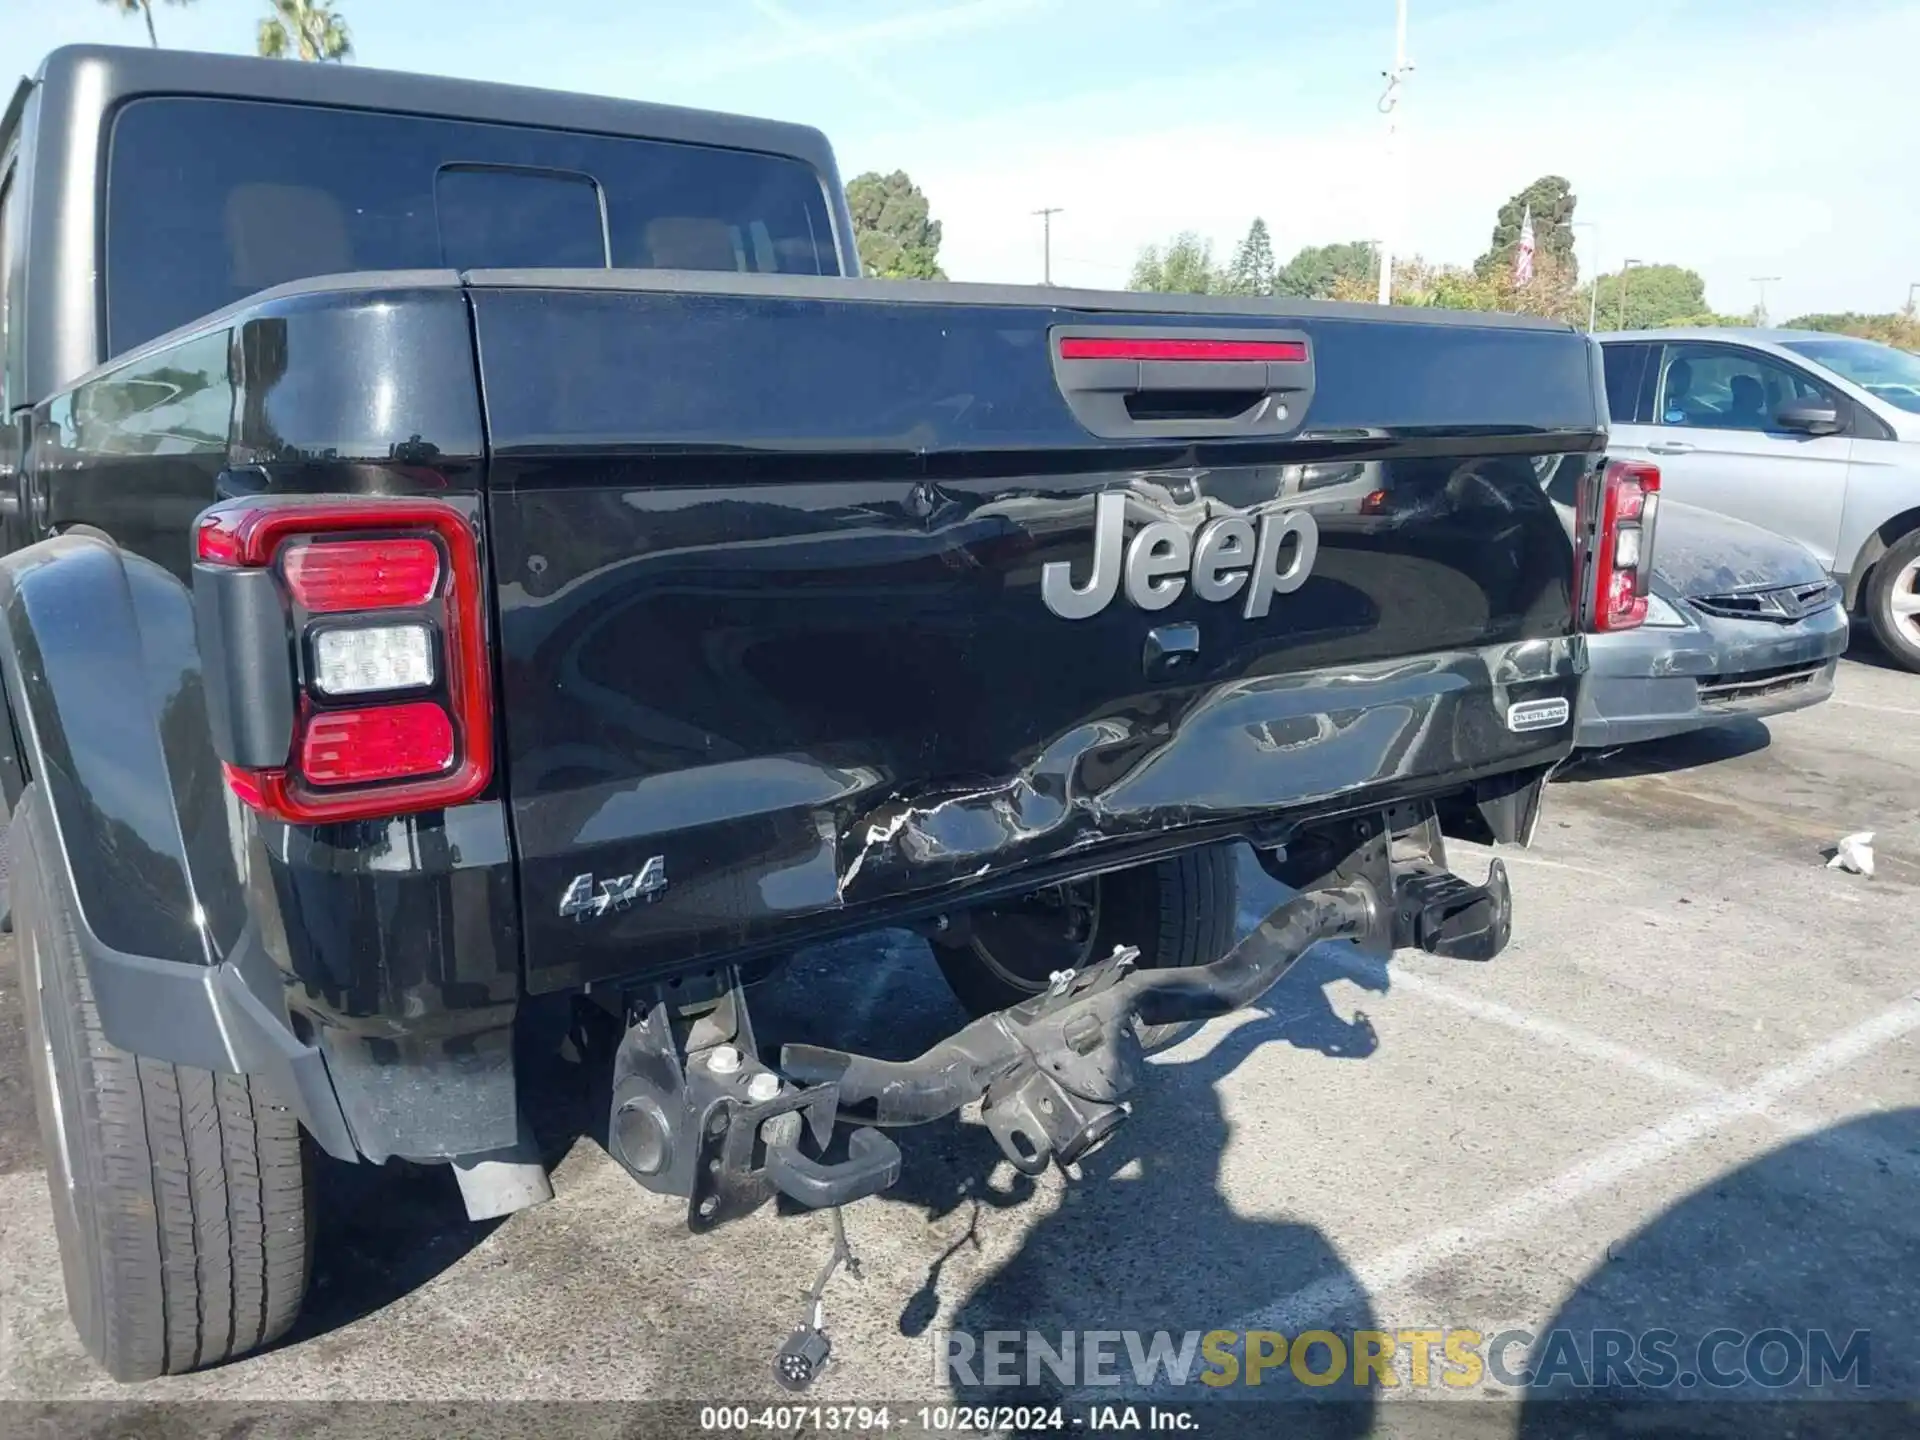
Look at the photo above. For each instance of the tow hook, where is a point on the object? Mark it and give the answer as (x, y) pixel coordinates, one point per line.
(695, 1113)
(702, 1117)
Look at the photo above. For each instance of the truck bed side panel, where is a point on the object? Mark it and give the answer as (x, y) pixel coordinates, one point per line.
(769, 578)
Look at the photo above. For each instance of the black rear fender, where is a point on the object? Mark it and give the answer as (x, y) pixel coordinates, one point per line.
(103, 677)
(125, 809)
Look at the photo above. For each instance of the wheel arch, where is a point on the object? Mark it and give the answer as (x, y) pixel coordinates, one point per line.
(124, 807)
(1884, 537)
(85, 632)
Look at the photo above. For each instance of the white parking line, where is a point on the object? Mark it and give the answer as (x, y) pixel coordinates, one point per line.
(1795, 1123)
(1565, 1036)
(1520, 857)
(1394, 1268)
(1882, 709)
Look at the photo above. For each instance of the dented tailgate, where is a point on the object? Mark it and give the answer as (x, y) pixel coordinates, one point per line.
(824, 602)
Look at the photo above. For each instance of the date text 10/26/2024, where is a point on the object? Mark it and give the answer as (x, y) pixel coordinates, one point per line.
(945, 1419)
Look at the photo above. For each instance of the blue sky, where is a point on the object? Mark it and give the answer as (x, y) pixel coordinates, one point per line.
(1742, 139)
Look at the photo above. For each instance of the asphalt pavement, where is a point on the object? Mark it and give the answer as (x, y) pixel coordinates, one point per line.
(1686, 1098)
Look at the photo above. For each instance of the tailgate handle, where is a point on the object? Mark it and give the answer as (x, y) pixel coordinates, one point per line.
(1124, 382)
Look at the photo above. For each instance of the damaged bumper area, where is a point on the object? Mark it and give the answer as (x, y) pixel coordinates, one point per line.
(1262, 749)
(696, 1113)
(763, 854)
(1714, 668)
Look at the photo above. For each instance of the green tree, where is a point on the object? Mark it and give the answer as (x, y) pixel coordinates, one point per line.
(1317, 271)
(1648, 296)
(898, 239)
(1900, 328)
(1185, 267)
(1251, 272)
(1714, 317)
(1552, 201)
(144, 9)
(308, 29)
(1459, 287)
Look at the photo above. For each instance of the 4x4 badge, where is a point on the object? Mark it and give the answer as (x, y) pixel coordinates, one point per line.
(586, 900)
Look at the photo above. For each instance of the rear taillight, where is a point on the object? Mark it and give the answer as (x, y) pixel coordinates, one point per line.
(384, 645)
(1614, 555)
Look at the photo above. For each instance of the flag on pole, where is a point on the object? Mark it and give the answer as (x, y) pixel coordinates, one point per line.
(1523, 257)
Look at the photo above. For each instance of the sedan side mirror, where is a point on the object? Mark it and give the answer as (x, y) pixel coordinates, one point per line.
(1810, 417)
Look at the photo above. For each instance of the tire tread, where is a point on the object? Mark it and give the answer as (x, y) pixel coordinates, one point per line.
(1179, 911)
(191, 1199)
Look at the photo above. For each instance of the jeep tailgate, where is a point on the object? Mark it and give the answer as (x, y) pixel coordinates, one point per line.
(783, 569)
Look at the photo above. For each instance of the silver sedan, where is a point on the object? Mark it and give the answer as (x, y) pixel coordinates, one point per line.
(1742, 622)
(1814, 436)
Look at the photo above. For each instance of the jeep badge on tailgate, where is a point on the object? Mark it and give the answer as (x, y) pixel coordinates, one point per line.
(1164, 557)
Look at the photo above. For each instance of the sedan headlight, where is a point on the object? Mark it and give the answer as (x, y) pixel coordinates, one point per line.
(1663, 616)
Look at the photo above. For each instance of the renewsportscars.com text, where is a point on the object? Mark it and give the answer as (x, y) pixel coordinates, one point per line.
(1444, 1358)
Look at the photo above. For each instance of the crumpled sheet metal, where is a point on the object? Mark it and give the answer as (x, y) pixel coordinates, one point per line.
(1261, 746)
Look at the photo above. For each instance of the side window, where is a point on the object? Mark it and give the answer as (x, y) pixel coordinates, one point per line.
(1626, 367)
(176, 401)
(1723, 387)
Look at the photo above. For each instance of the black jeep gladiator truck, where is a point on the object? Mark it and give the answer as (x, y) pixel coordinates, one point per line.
(471, 549)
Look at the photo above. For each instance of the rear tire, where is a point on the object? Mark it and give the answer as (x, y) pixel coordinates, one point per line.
(180, 1196)
(1895, 582)
(1179, 912)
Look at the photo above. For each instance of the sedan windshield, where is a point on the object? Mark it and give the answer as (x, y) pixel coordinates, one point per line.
(1891, 375)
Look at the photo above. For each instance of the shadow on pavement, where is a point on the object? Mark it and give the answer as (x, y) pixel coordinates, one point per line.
(1661, 757)
(1145, 1238)
(1865, 649)
(1146, 1227)
(1817, 1242)
(381, 1232)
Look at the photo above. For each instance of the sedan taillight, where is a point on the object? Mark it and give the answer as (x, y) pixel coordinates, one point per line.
(359, 624)
(1613, 559)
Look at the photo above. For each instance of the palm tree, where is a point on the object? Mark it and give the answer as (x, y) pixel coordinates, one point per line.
(144, 9)
(312, 29)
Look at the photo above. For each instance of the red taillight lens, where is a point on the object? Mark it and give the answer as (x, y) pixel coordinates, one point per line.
(331, 575)
(1621, 544)
(382, 596)
(386, 742)
(216, 543)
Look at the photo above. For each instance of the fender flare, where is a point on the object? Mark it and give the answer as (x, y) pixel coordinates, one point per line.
(125, 807)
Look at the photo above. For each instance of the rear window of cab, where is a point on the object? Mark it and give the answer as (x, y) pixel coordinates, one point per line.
(211, 200)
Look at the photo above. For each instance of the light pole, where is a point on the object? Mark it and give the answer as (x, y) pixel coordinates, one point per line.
(1390, 107)
(1763, 281)
(1593, 285)
(1046, 215)
(1625, 266)
(1910, 289)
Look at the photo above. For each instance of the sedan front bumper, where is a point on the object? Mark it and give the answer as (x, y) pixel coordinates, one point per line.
(1657, 681)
